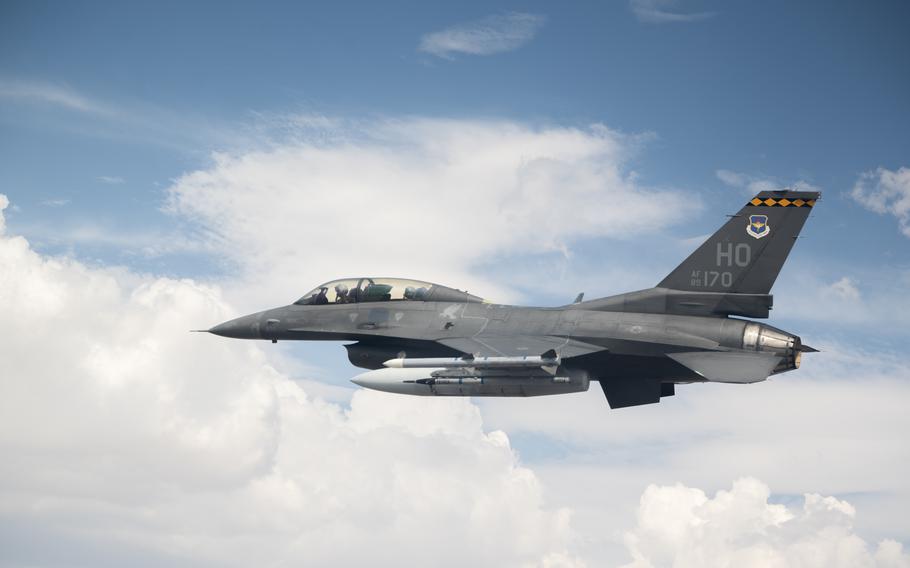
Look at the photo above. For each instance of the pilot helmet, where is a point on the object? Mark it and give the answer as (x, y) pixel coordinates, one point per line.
(341, 288)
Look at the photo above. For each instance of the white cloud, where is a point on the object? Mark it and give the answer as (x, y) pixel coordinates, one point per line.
(493, 34)
(756, 184)
(113, 180)
(48, 93)
(91, 115)
(843, 289)
(55, 202)
(658, 12)
(236, 464)
(4, 203)
(443, 195)
(845, 294)
(88, 237)
(120, 431)
(886, 192)
(683, 527)
(797, 419)
(835, 426)
(732, 179)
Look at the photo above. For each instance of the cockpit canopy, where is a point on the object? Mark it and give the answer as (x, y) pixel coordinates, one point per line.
(356, 290)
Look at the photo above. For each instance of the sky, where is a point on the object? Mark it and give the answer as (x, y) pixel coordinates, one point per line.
(168, 166)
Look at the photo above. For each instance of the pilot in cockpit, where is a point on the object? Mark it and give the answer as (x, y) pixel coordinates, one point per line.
(341, 294)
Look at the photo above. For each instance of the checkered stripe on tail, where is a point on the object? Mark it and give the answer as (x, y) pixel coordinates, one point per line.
(781, 202)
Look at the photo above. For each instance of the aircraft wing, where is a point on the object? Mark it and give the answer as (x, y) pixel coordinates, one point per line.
(715, 366)
(728, 367)
(520, 345)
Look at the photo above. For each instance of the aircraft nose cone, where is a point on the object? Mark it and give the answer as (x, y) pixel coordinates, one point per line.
(246, 327)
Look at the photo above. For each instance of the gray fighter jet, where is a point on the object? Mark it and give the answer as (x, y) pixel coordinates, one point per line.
(426, 339)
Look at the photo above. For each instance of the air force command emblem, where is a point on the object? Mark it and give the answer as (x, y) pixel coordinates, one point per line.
(758, 226)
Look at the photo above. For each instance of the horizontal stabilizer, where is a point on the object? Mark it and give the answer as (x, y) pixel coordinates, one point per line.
(728, 367)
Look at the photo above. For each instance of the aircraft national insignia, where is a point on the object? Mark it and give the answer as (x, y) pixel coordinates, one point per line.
(758, 226)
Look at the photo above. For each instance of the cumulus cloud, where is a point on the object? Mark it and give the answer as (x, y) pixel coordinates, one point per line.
(444, 195)
(886, 192)
(683, 527)
(835, 426)
(723, 431)
(493, 34)
(122, 432)
(659, 12)
(755, 184)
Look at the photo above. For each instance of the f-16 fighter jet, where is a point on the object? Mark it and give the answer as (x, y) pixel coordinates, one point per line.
(426, 339)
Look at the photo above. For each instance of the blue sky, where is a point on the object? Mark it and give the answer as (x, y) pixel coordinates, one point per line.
(259, 149)
(770, 88)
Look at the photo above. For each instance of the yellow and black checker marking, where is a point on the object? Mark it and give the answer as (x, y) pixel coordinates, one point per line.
(781, 202)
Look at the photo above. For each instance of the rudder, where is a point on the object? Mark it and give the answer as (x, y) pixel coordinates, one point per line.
(747, 253)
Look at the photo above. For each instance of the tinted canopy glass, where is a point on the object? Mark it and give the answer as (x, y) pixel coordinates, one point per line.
(350, 290)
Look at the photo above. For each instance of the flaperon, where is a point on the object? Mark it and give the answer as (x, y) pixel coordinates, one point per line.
(427, 339)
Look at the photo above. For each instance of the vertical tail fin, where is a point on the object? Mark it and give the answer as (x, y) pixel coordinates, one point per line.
(746, 254)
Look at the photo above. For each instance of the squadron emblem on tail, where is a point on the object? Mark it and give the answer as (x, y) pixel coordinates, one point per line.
(758, 226)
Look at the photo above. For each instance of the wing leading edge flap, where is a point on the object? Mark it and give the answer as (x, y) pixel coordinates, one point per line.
(519, 345)
(728, 367)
